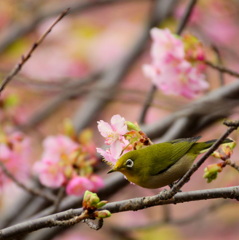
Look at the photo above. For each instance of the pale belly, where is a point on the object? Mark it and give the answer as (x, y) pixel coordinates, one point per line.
(171, 175)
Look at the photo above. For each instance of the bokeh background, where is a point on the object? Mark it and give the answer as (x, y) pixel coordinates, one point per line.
(99, 49)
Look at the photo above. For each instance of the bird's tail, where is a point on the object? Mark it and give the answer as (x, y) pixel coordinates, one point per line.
(206, 145)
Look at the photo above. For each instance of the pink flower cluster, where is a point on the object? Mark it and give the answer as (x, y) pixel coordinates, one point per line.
(15, 153)
(67, 163)
(121, 136)
(114, 136)
(170, 70)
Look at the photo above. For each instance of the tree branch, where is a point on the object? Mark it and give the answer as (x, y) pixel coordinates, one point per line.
(120, 206)
(222, 69)
(32, 191)
(24, 59)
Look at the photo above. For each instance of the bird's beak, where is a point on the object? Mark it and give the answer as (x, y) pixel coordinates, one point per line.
(112, 170)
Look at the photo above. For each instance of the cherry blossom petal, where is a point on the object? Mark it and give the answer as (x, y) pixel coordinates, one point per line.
(50, 174)
(107, 155)
(78, 185)
(104, 128)
(118, 124)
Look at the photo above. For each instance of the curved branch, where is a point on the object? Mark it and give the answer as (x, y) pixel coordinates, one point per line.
(120, 206)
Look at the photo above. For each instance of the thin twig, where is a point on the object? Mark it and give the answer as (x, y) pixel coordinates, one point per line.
(222, 69)
(85, 217)
(60, 196)
(232, 164)
(24, 59)
(19, 29)
(219, 61)
(32, 191)
(153, 89)
(147, 104)
(71, 221)
(186, 16)
(177, 186)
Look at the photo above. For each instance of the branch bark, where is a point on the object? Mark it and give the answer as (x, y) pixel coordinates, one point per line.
(120, 206)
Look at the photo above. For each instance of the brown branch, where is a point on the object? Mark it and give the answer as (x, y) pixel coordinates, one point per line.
(147, 104)
(25, 58)
(32, 191)
(116, 207)
(71, 221)
(219, 62)
(58, 199)
(186, 16)
(232, 164)
(222, 69)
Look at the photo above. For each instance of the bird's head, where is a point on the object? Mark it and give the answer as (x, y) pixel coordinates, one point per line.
(125, 164)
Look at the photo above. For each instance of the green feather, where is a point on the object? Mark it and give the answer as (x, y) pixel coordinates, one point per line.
(164, 154)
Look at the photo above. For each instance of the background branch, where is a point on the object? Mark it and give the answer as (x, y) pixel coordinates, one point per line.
(25, 58)
(32, 191)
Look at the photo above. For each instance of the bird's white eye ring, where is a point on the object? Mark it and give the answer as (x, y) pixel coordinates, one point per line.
(129, 163)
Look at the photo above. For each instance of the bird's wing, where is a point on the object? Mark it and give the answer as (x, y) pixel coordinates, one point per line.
(167, 154)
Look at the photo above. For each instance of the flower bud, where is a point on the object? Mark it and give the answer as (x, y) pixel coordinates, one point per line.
(102, 214)
(90, 200)
(101, 204)
(225, 151)
(132, 126)
(68, 128)
(211, 171)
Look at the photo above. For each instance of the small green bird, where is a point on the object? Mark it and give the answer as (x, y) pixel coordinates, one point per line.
(161, 164)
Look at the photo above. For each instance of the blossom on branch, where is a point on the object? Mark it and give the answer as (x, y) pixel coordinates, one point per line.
(173, 68)
(114, 131)
(15, 151)
(68, 162)
(122, 136)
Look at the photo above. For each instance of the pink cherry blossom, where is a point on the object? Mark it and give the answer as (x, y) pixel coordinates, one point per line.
(166, 46)
(78, 185)
(107, 155)
(114, 152)
(55, 166)
(15, 151)
(97, 182)
(57, 146)
(50, 173)
(169, 70)
(113, 131)
(183, 79)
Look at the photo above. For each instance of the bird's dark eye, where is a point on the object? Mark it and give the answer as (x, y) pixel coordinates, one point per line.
(129, 163)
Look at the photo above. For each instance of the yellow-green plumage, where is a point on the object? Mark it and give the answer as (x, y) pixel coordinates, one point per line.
(161, 164)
